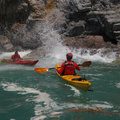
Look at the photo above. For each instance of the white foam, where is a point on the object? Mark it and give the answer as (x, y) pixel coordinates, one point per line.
(55, 49)
(76, 91)
(45, 106)
(118, 85)
(56, 113)
(9, 54)
(98, 55)
(38, 98)
(101, 104)
(58, 53)
(42, 117)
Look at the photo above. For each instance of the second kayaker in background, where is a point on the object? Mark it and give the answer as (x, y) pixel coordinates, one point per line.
(68, 67)
(16, 57)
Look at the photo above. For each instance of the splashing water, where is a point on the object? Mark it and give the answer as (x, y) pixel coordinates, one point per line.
(8, 54)
(54, 49)
(57, 52)
(99, 56)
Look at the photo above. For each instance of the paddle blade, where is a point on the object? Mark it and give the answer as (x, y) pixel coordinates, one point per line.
(41, 70)
(4, 60)
(86, 64)
(31, 58)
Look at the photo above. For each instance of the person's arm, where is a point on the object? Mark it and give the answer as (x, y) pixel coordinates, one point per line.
(77, 66)
(12, 58)
(61, 69)
(20, 57)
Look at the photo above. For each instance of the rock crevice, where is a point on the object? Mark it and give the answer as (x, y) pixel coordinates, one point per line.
(69, 18)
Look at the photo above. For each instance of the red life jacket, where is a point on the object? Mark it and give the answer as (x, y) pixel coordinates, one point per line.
(69, 68)
(14, 57)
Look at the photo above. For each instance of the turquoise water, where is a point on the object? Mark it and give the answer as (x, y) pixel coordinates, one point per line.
(27, 95)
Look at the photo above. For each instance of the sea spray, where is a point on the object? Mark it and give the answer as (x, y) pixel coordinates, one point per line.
(9, 54)
(55, 51)
(94, 55)
(49, 37)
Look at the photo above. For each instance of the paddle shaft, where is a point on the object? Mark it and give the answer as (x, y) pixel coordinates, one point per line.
(85, 64)
(60, 67)
(43, 70)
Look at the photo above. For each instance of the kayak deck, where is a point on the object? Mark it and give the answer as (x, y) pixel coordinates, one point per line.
(75, 80)
(22, 62)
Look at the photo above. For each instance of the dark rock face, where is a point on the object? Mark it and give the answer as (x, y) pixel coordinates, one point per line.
(101, 18)
(70, 19)
(5, 43)
(115, 1)
(108, 25)
(12, 11)
(90, 42)
(20, 35)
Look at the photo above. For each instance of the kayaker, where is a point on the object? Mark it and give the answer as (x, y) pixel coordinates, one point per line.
(68, 67)
(16, 57)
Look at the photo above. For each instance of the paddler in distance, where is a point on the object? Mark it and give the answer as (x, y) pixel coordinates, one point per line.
(16, 57)
(68, 67)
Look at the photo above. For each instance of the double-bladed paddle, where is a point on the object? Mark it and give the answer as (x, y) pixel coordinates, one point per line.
(43, 70)
(4, 60)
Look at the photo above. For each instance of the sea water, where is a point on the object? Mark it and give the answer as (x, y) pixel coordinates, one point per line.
(27, 95)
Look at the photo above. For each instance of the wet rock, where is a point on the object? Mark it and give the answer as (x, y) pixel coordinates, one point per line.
(21, 36)
(69, 18)
(91, 42)
(5, 43)
(39, 52)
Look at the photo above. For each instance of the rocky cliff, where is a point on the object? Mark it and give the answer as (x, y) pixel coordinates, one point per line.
(73, 20)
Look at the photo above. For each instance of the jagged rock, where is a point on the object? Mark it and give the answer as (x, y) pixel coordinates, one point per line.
(76, 29)
(69, 18)
(100, 5)
(21, 36)
(92, 42)
(37, 52)
(5, 43)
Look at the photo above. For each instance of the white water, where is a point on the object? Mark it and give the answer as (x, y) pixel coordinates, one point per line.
(8, 55)
(54, 48)
(56, 52)
(49, 104)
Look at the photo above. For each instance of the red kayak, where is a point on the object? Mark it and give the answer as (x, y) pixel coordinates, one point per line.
(21, 62)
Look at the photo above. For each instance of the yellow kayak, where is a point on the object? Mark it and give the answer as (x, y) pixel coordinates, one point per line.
(75, 80)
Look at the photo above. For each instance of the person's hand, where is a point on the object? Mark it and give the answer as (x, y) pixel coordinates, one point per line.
(56, 68)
